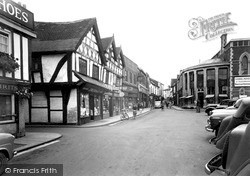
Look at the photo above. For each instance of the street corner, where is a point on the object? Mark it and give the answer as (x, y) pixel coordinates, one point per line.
(35, 139)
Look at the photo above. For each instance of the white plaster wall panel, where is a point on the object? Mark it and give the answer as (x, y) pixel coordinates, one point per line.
(39, 115)
(25, 58)
(39, 99)
(56, 116)
(63, 74)
(72, 107)
(74, 63)
(56, 103)
(17, 54)
(104, 76)
(49, 64)
(77, 62)
(90, 68)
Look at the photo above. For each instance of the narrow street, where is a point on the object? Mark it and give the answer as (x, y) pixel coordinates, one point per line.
(161, 143)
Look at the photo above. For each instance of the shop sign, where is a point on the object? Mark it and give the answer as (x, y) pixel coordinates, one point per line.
(8, 87)
(241, 81)
(17, 13)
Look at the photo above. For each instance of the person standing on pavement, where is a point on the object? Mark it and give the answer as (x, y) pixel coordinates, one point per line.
(198, 106)
(135, 107)
(166, 102)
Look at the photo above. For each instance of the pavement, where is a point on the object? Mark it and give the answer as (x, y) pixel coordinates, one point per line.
(35, 139)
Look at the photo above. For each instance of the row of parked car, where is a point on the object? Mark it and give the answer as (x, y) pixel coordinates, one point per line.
(230, 123)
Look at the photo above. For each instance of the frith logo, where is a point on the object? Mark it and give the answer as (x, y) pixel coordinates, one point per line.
(211, 27)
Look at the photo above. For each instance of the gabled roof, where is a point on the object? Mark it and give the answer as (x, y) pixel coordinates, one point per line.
(106, 42)
(64, 36)
(119, 52)
(60, 36)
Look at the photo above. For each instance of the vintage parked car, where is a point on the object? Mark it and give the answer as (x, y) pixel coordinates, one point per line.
(234, 141)
(224, 104)
(157, 104)
(214, 120)
(6, 150)
(234, 160)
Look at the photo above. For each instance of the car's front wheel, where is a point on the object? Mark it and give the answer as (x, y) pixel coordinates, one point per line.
(3, 162)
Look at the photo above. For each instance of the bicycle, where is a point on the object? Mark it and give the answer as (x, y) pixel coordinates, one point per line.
(124, 115)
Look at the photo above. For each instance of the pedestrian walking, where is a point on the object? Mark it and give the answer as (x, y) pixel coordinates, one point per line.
(135, 107)
(167, 103)
(198, 106)
(162, 105)
(170, 104)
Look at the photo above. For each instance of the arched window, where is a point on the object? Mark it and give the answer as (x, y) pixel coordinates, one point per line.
(244, 64)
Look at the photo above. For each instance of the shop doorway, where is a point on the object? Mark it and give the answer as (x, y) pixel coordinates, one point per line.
(91, 107)
(201, 99)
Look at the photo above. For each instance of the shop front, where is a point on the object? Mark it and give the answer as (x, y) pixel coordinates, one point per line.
(143, 96)
(16, 32)
(93, 103)
(130, 96)
(91, 106)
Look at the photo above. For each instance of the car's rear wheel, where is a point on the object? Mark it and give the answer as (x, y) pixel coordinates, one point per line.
(216, 131)
(3, 162)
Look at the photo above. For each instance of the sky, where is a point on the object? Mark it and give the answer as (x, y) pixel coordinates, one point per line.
(152, 33)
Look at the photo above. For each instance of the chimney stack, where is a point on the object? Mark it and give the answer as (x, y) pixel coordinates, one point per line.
(223, 42)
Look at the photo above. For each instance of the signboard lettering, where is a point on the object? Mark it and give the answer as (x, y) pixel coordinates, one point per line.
(241, 81)
(17, 13)
(8, 87)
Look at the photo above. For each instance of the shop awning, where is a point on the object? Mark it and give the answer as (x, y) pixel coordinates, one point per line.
(209, 96)
(190, 96)
(94, 82)
(223, 95)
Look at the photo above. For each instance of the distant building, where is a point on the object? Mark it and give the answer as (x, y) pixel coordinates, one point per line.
(129, 84)
(113, 101)
(143, 88)
(225, 75)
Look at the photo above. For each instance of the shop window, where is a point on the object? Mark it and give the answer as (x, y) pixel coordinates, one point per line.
(95, 72)
(7, 105)
(105, 106)
(223, 80)
(84, 105)
(191, 78)
(83, 66)
(244, 65)
(210, 81)
(97, 105)
(200, 79)
(185, 79)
